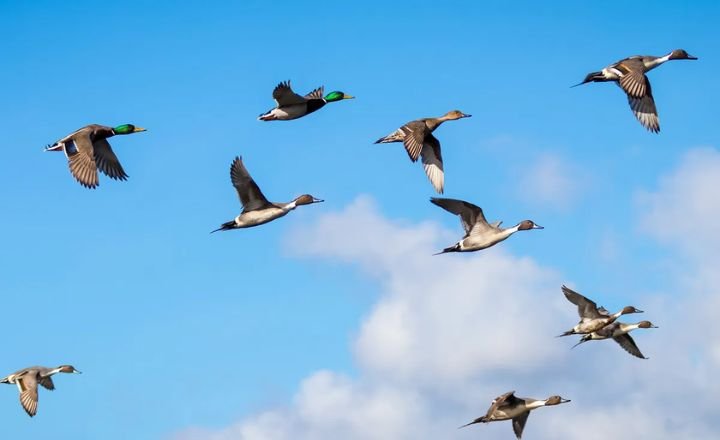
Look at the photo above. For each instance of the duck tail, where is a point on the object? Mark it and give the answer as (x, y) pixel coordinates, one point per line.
(482, 419)
(395, 136)
(225, 226)
(567, 333)
(583, 339)
(453, 248)
(268, 116)
(592, 77)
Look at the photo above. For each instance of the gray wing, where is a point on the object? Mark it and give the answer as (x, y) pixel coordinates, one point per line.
(432, 162)
(519, 424)
(284, 95)
(250, 195)
(586, 308)
(414, 137)
(470, 215)
(27, 385)
(107, 161)
(47, 383)
(505, 399)
(637, 87)
(628, 344)
(81, 159)
(316, 94)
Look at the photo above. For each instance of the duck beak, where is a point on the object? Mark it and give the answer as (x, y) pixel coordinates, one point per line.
(317, 200)
(565, 400)
(348, 97)
(77, 372)
(466, 116)
(690, 57)
(139, 129)
(654, 326)
(538, 227)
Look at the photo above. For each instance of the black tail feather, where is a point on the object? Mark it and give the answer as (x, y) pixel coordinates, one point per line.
(453, 248)
(225, 226)
(592, 77)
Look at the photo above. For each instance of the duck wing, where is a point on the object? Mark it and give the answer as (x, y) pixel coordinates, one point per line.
(107, 161)
(432, 162)
(587, 309)
(639, 92)
(27, 384)
(628, 344)
(316, 94)
(413, 134)
(507, 399)
(250, 195)
(81, 159)
(283, 95)
(519, 423)
(471, 216)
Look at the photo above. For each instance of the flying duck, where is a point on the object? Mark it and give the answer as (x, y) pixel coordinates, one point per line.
(27, 381)
(290, 105)
(620, 333)
(592, 317)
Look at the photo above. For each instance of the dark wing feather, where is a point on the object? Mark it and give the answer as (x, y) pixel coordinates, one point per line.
(316, 94)
(470, 215)
(284, 95)
(519, 423)
(28, 393)
(628, 344)
(586, 307)
(432, 162)
(107, 161)
(250, 195)
(639, 92)
(414, 138)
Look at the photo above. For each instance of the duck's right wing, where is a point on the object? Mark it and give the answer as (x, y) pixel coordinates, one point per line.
(413, 138)
(283, 95)
(107, 161)
(470, 215)
(586, 308)
(505, 399)
(250, 195)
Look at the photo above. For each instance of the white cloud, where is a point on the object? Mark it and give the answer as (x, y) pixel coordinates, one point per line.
(451, 332)
(550, 180)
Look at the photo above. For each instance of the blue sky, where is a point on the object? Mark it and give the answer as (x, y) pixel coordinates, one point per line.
(175, 328)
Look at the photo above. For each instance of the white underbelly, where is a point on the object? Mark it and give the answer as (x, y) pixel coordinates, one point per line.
(255, 218)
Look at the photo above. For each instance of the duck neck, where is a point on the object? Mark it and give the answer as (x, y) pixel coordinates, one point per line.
(534, 404)
(627, 328)
(290, 206)
(653, 63)
(51, 372)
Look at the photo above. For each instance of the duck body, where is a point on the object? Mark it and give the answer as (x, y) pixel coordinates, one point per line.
(592, 317)
(27, 381)
(517, 409)
(417, 137)
(479, 234)
(629, 74)
(291, 106)
(620, 333)
(257, 210)
(87, 151)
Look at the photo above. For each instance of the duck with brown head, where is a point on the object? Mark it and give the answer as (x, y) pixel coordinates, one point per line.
(620, 333)
(479, 234)
(257, 210)
(592, 317)
(28, 379)
(420, 143)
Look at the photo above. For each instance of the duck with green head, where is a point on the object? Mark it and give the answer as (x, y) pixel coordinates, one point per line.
(88, 150)
(290, 105)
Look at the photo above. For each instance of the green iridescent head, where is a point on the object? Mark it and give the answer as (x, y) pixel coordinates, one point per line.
(337, 96)
(127, 129)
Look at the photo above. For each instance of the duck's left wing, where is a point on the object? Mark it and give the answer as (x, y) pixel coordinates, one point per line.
(432, 162)
(250, 195)
(519, 423)
(628, 344)
(639, 92)
(283, 95)
(470, 214)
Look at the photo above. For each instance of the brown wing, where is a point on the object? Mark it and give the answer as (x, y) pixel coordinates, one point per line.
(27, 384)
(639, 92)
(586, 308)
(47, 383)
(519, 424)
(414, 138)
(250, 195)
(284, 95)
(505, 399)
(81, 159)
(107, 161)
(432, 162)
(470, 215)
(628, 344)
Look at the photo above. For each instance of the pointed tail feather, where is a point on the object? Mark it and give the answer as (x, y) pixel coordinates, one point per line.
(592, 77)
(482, 419)
(225, 226)
(453, 248)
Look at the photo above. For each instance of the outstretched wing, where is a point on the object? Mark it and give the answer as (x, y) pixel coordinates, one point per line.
(250, 195)
(637, 87)
(628, 344)
(81, 159)
(27, 385)
(284, 95)
(316, 94)
(471, 215)
(432, 162)
(519, 424)
(107, 161)
(586, 308)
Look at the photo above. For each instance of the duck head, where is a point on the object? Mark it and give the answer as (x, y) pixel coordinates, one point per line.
(455, 114)
(307, 199)
(630, 309)
(528, 224)
(337, 96)
(681, 54)
(555, 400)
(67, 369)
(127, 129)
(646, 324)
